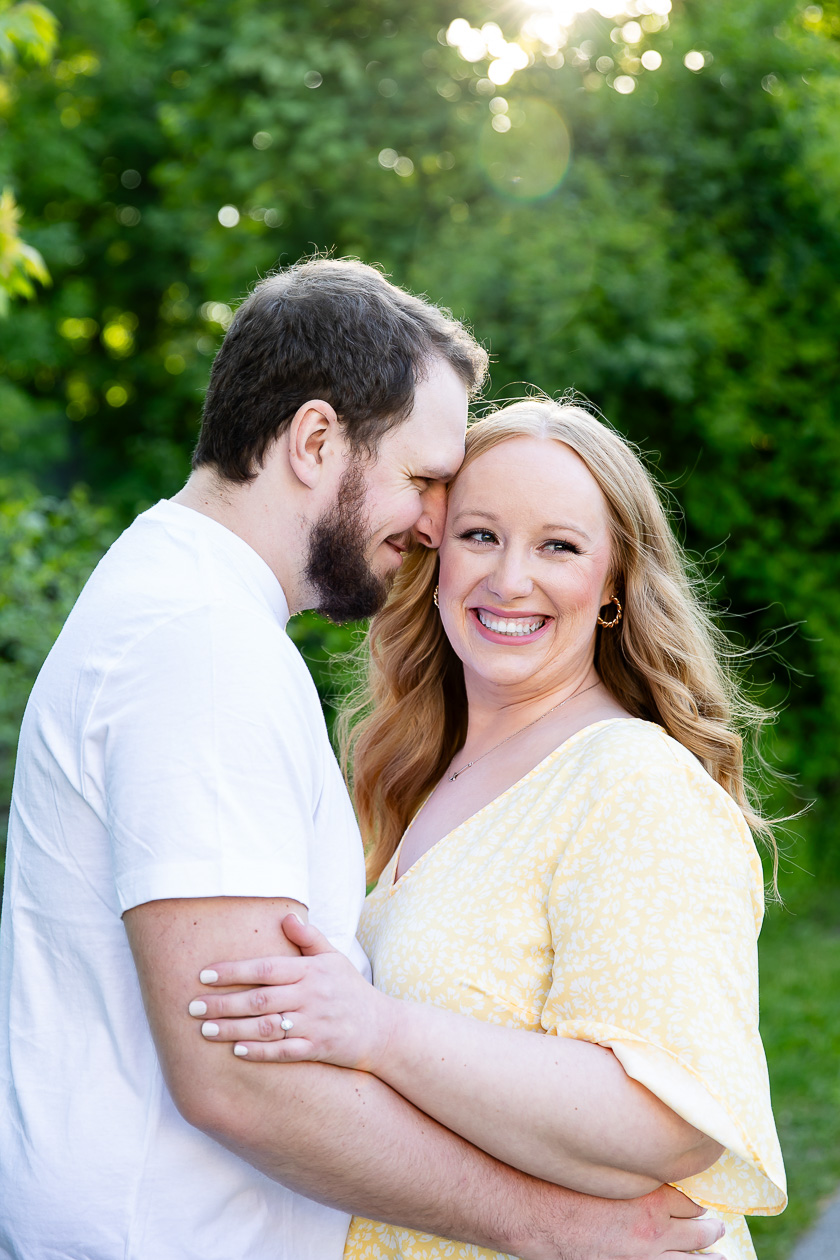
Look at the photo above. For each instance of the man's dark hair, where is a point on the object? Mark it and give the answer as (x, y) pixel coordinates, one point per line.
(327, 328)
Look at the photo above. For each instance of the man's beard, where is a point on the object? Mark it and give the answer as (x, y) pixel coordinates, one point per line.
(337, 565)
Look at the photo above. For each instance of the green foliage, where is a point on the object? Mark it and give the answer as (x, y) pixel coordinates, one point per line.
(20, 264)
(28, 32)
(681, 273)
(800, 1026)
(48, 548)
(672, 251)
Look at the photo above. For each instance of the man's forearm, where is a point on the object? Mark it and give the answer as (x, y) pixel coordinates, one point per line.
(341, 1137)
(346, 1139)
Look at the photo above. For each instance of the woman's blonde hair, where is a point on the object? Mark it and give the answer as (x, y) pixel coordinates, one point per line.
(666, 661)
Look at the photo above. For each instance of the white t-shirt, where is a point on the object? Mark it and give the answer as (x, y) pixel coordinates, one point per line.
(173, 746)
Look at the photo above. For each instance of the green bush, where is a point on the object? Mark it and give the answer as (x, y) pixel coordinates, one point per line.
(48, 548)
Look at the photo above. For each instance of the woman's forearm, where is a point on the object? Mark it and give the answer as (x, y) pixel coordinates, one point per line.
(559, 1109)
(562, 1110)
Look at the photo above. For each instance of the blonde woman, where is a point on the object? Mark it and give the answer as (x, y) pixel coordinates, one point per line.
(549, 772)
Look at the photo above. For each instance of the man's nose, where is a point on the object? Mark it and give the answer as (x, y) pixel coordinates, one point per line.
(429, 528)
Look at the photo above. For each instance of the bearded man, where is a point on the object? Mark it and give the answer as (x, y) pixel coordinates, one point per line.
(176, 795)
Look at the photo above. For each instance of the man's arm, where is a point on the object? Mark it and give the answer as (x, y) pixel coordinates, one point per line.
(346, 1139)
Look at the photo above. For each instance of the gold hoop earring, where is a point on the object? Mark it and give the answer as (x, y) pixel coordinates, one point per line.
(435, 597)
(608, 625)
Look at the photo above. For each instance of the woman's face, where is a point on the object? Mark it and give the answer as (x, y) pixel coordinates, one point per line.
(524, 566)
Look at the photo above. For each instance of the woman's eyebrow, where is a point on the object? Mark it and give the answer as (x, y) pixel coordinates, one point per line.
(546, 529)
(575, 529)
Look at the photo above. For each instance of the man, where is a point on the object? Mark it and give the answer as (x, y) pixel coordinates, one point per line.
(176, 796)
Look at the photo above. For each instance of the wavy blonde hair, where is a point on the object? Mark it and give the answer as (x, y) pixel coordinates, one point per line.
(666, 661)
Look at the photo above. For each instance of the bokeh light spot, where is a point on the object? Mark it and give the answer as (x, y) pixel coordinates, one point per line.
(388, 158)
(116, 395)
(631, 32)
(216, 313)
(500, 123)
(500, 72)
(694, 60)
(530, 163)
(228, 216)
(404, 167)
(313, 79)
(130, 179)
(624, 84)
(261, 139)
(651, 59)
(174, 364)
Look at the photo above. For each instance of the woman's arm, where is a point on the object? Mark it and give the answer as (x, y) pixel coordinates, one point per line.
(562, 1110)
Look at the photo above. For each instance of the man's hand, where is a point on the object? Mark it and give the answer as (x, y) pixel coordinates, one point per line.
(663, 1225)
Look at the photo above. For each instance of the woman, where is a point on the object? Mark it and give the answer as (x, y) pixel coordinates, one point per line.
(551, 780)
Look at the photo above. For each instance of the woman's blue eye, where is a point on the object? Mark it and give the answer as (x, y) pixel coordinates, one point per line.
(479, 535)
(556, 545)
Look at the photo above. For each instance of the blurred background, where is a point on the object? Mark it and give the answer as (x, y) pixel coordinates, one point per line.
(638, 199)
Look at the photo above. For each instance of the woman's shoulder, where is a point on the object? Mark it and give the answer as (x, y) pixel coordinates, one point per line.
(633, 768)
(629, 744)
(630, 754)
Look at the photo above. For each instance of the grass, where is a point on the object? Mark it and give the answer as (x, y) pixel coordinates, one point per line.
(799, 955)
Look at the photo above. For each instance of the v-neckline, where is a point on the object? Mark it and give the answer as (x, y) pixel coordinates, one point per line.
(399, 880)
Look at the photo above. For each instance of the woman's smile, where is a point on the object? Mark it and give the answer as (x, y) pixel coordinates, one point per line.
(498, 626)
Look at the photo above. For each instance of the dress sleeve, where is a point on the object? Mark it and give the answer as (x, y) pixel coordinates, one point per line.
(654, 914)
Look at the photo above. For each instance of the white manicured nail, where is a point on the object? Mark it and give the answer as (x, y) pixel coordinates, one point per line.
(209, 1030)
(198, 1008)
(209, 976)
(241, 1051)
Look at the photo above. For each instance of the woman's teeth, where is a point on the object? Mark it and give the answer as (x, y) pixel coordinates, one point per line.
(514, 626)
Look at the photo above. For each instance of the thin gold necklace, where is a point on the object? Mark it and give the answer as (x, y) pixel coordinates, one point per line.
(553, 709)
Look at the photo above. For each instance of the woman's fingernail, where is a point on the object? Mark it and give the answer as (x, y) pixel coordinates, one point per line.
(209, 1030)
(209, 976)
(297, 916)
(241, 1051)
(198, 1008)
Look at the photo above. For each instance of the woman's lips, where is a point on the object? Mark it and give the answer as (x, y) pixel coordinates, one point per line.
(497, 627)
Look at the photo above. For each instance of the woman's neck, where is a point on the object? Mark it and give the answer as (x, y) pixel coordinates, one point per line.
(496, 711)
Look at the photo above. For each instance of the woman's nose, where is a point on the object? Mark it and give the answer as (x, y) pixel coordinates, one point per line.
(510, 578)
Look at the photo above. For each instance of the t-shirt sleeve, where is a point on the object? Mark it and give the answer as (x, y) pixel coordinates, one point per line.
(210, 763)
(654, 914)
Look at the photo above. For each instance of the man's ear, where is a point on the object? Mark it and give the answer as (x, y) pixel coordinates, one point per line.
(314, 437)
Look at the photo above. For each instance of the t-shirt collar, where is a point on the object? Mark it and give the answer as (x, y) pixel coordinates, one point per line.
(239, 551)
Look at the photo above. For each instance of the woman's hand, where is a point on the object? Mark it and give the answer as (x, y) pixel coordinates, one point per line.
(315, 1006)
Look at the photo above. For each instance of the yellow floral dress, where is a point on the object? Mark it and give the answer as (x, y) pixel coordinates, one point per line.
(612, 895)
